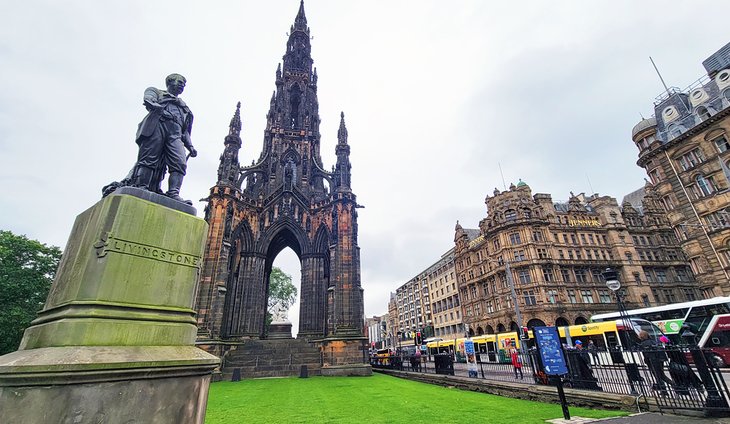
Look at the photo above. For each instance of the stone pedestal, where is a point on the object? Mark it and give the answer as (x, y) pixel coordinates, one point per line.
(115, 340)
(344, 356)
(280, 330)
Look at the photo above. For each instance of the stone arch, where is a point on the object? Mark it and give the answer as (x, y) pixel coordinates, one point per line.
(245, 310)
(513, 326)
(500, 328)
(579, 320)
(489, 329)
(471, 332)
(561, 322)
(535, 322)
(480, 331)
(241, 241)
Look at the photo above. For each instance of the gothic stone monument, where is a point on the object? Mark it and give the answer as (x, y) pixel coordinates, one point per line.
(115, 341)
(285, 199)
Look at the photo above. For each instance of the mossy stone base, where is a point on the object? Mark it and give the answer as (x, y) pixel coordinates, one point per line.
(128, 277)
(115, 340)
(99, 384)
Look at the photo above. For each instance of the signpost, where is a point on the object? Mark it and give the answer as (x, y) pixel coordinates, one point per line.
(553, 361)
(471, 358)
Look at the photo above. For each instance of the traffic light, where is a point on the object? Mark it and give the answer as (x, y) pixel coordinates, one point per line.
(419, 338)
(525, 335)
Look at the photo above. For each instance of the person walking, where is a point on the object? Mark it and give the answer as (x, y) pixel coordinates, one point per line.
(655, 357)
(516, 360)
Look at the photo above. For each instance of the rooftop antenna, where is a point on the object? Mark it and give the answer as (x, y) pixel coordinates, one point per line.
(660, 75)
(589, 184)
(500, 173)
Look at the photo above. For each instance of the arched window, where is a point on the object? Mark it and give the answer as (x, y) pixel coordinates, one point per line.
(535, 323)
(561, 322)
(702, 113)
(705, 185)
(580, 320)
(674, 131)
(510, 215)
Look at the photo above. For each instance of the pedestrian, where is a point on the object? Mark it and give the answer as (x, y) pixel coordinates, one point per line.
(418, 357)
(593, 350)
(655, 357)
(516, 360)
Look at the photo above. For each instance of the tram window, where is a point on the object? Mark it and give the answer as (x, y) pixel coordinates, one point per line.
(611, 340)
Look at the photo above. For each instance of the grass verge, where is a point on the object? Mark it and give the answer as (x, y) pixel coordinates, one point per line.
(377, 399)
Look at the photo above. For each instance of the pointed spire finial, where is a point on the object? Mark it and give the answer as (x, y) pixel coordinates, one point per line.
(300, 22)
(342, 132)
(235, 127)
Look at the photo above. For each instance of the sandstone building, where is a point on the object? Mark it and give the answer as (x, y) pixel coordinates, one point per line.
(428, 303)
(556, 253)
(684, 150)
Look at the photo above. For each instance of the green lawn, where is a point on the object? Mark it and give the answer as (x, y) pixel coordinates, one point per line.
(376, 399)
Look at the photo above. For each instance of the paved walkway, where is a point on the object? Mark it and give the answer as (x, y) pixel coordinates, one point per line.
(645, 418)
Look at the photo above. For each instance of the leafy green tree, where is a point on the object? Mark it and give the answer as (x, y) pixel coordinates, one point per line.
(27, 268)
(282, 294)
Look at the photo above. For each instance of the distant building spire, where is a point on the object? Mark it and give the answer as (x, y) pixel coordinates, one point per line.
(235, 126)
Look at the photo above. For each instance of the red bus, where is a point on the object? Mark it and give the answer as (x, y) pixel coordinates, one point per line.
(717, 339)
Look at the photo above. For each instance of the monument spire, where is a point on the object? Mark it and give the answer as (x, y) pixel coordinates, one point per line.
(235, 126)
(300, 22)
(229, 167)
(342, 150)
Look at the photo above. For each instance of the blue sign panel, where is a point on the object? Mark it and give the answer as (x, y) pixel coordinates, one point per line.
(469, 346)
(548, 342)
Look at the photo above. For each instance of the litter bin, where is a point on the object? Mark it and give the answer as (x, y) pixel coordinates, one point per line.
(443, 364)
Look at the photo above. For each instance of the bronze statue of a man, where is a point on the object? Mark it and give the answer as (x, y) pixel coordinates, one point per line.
(162, 136)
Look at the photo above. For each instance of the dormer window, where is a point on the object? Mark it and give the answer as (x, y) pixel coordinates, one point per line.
(674, 131)
(702, 113)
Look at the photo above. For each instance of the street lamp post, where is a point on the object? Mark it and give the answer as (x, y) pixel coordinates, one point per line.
(613, 283)
(518, 314)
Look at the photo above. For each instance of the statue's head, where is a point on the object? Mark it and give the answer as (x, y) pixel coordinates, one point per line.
(175, 84)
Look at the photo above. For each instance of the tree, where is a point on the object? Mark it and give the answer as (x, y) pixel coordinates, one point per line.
(282, 294)
(27, 268)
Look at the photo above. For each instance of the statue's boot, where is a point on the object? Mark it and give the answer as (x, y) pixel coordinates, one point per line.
(143, 177)
(175, 182)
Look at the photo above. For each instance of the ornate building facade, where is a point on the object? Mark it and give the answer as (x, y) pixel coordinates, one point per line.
(684, 150)
(428, 304)
(556, 253)
(286, 198)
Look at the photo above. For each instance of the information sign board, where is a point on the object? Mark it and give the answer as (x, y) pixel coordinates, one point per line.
(548, 343)
(471, 358)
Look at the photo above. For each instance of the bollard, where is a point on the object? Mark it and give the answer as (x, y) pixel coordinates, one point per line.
(303, 372)
(236, 374)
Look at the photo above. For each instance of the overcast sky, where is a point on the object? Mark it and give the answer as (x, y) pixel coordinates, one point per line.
(436, 96)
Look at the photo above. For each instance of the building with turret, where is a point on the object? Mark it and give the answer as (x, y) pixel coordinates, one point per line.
(553, 255)
(684, 150)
